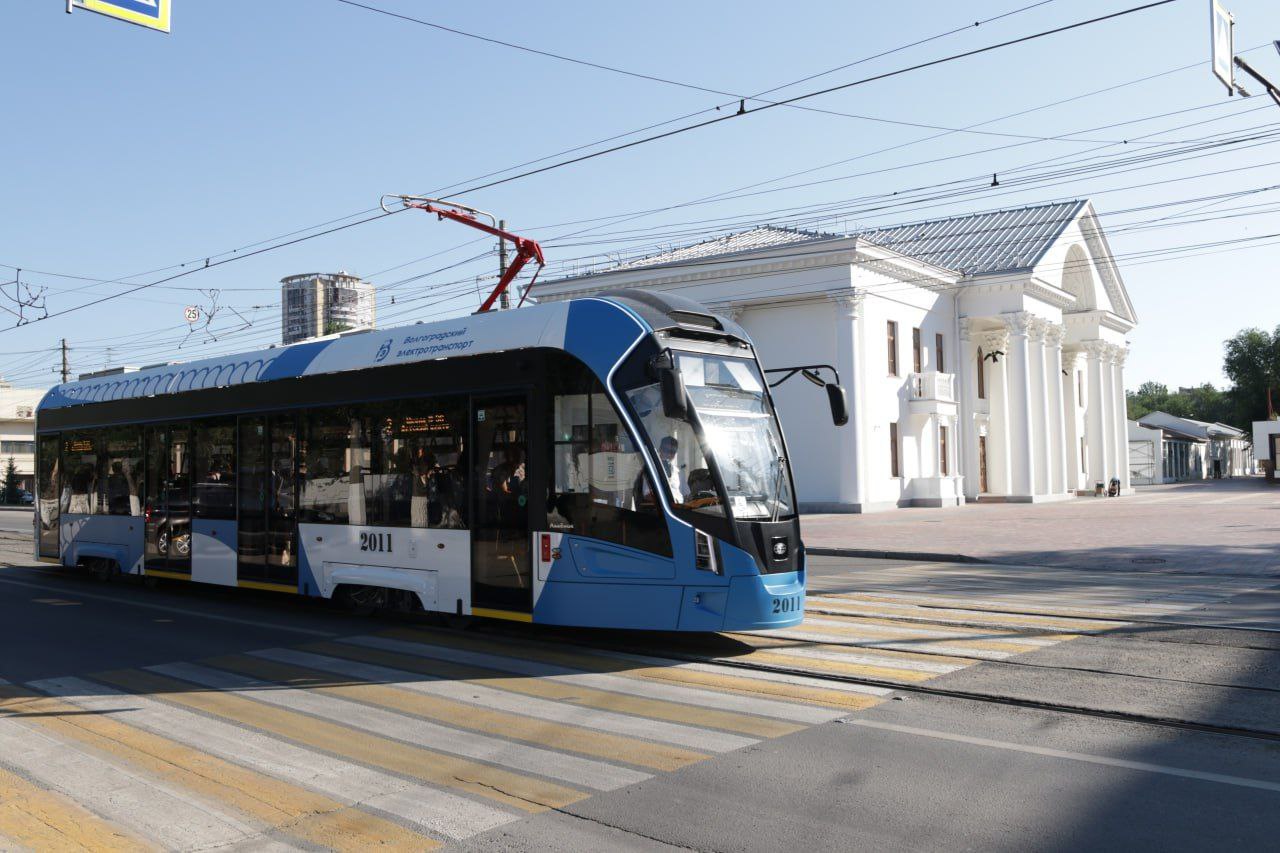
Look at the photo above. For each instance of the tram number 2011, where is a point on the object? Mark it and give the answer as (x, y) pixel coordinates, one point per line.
(375, 542)
(790, 604)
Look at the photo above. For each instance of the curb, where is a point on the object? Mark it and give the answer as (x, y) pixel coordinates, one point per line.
(894, 555)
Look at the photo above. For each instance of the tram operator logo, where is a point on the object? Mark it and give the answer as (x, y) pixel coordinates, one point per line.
(780, 548)
(383, 351)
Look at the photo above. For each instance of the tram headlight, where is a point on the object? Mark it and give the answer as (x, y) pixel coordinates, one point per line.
(704, 552)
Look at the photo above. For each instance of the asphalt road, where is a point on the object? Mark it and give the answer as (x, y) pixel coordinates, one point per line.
(13, 518)
(1006, 732)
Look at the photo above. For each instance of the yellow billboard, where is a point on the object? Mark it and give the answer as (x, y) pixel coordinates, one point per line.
(153, 14)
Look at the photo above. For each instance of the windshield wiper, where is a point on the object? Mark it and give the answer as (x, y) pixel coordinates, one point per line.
(777, 488)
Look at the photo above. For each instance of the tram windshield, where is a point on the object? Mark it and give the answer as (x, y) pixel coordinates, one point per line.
(728, 449)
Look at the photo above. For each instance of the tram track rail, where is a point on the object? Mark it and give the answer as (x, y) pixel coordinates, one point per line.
(1117, 620)
(653, 655)
(655, 651)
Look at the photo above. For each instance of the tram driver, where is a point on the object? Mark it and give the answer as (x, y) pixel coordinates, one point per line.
(672, 470)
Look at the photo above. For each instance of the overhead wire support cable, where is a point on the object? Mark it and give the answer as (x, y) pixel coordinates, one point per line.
(653, 138)
(807, 95)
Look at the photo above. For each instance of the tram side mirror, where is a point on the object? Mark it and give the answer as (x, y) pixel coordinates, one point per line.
(839, 404)
(674, 398)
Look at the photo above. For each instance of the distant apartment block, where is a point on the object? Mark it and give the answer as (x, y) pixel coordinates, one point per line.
(316, 304)
(17, 430)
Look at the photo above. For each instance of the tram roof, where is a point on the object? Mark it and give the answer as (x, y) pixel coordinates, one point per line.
(534, 326)
(543, 325)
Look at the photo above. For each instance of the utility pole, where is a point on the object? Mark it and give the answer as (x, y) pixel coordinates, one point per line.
(504, 301)
(66, 371)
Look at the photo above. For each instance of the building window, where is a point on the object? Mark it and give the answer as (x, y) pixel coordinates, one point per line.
(1079, 387)
(1083, 458)
(893, 348)
(893, 451)
(982, 376)
(916, 355)
(938, 350)
(943, 466)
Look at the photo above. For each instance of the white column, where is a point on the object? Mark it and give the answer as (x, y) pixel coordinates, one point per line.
(966, 427)
(1071, 433)
(1122, 418)
(1041, 429)
(1095, 435)
(1022, 461)
(852, 443)
(1057, 409)
(1108, 411)
(995, 346)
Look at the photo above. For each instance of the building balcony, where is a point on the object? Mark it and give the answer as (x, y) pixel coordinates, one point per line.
(932, 393)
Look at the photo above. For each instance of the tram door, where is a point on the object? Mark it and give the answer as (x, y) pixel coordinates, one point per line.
(266, 502)
(167, 517)
(500, 566)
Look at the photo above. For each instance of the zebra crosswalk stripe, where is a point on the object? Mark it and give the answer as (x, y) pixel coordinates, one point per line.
(637, 745)
(35, 818)
(228, 801)
(424, 808)
(431, 766)
(700, 701)
(260, 681)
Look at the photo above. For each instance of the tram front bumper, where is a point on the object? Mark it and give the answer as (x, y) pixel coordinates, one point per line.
(751, 602)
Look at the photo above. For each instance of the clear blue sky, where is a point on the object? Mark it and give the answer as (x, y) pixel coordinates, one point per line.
(126, 151)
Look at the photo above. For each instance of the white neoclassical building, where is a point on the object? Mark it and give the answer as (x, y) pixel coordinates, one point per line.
(983, 354)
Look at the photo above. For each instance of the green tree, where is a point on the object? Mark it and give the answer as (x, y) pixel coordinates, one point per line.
(1150, 397)
(10, 482)
(1252, 363)
(1201, 403)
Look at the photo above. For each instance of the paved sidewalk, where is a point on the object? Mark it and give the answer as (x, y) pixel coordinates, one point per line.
(1216, 526)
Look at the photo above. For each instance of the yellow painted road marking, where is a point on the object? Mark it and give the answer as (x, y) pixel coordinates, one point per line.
(820, 665)
(942, 633)
(587, 697)
(504, 786)
(55, 602)
(280, 805)
(41, 820)
(905, 635)
(1115, 616)
(945, 616)
(559, 736)
(759, 641)
(589, 662)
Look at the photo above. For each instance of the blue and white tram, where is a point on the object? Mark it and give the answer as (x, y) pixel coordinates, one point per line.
(611, 462)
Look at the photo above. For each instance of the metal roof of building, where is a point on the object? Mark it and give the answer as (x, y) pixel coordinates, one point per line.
(972, 244)
(982, 243)
(762, 237)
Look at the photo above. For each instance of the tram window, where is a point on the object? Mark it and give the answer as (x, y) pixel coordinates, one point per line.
(328, 447)
(119, 473)
(600, 487)
(214, 469)
(386, 464)
(47, 491)
(80, 456)
(430, 443)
